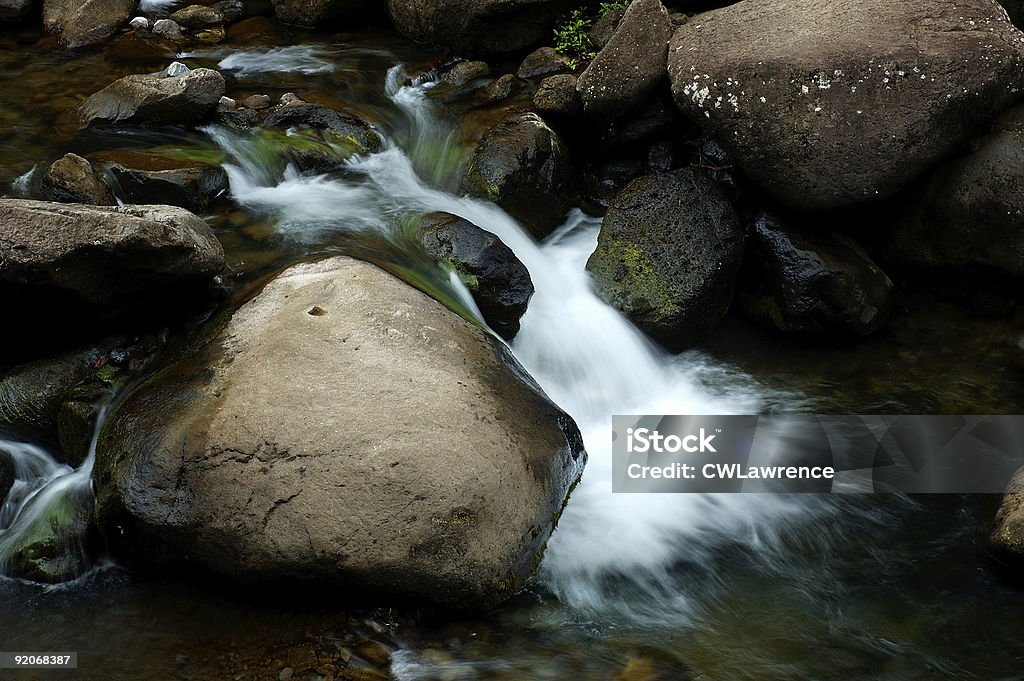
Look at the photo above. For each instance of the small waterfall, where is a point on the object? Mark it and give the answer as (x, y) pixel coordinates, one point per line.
(45, 518)
(590, 359)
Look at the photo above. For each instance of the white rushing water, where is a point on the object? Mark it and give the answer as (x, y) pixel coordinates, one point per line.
(589, 359)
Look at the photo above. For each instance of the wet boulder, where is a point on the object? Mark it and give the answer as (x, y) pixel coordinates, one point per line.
(969, 213)
(631, 64)
(524, 166)
(668, 256)
(197, 16)
(189, 97)
(828, 105)
(13, 11)
(108, 258)
(499, 283)
(72, 179)
(477, 26)
(85, 22)
(543, 62)
(814, 284)
(343, 126)
(557, 97)
(343, 428)
(142, 178)
(313, 137)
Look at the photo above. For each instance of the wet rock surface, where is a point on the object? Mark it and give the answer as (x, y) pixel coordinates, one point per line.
(668, 255)
(463, 527)
(499, 282)
(815, 284)
(524, 166)
(161, 99)
(72, 179)
(826, 107)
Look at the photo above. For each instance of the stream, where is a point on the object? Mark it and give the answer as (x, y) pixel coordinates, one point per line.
(657, 586)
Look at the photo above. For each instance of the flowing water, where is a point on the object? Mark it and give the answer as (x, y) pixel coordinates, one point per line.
(738, 586)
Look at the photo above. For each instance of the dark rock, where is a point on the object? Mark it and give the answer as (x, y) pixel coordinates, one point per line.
(186, 99)
(318, 12)
(660, 157)
(604, 28)
(652, 121)
(344, 125)
(668, 255)
(152, 179)
(630, 66)
(815, 284)
(466, 72)
(168, 29)
(76, 421)
(829, 105)
(242, 456)
(231, 10)
(501, 88)
(969, 212)
(72, 179)
(105, 257)
(499, 282)
(522, 165)
(557, 96)
(197, 16)
(544, 61)
(258, 102)
(31, 394)
(13, 11)
(79, 23)
(477, 26)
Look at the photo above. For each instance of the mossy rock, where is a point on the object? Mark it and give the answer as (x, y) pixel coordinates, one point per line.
(668, 256)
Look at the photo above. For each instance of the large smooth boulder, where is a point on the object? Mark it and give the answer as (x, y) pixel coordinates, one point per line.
(318, 12)
(477, 26)
(814, 284)
(162, 99)
(524, 166)
(103, 256)
(143, 178)
(85, 22)
(970, 212)
(14, 10)
(827, 105)
(668, 254)
(499, 283)
(342, 427)
(629, 67)
(72, 179)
